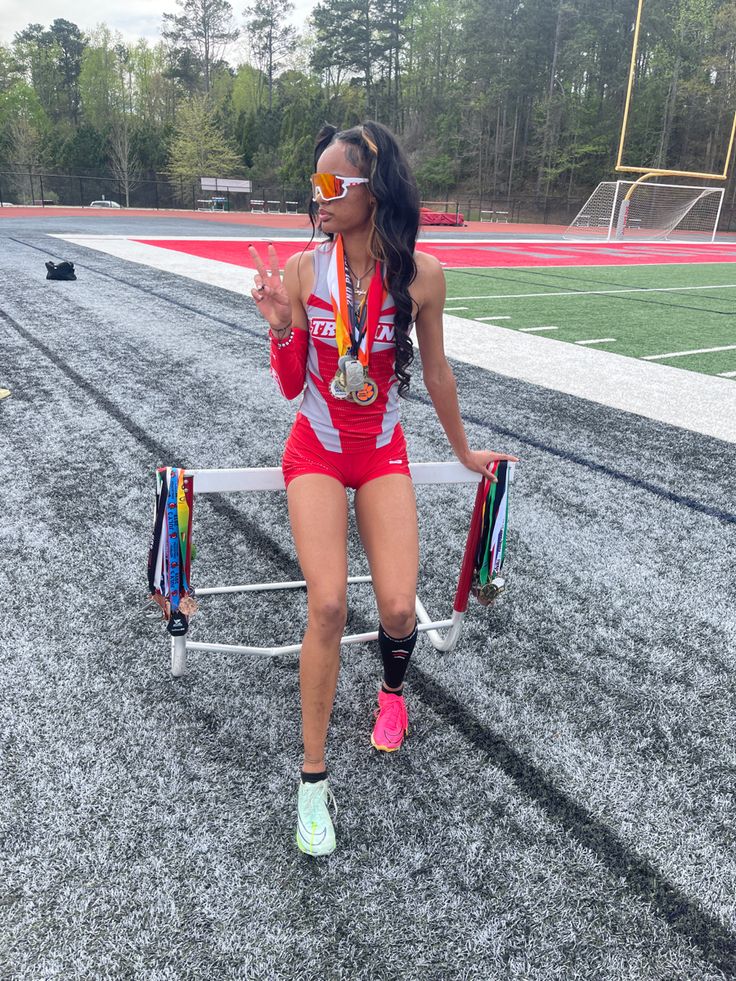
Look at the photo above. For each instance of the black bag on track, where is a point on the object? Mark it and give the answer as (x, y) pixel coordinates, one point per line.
(64, 270)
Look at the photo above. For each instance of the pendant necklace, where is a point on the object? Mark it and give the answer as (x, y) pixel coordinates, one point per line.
(357, 279)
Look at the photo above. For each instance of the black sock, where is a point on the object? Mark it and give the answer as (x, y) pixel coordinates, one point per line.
(389, 692)
(395, 652)
(313, 777)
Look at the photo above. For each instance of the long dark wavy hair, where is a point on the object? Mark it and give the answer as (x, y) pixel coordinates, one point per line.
(374, 150)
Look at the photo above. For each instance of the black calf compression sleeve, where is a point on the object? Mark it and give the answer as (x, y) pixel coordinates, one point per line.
(395, 653)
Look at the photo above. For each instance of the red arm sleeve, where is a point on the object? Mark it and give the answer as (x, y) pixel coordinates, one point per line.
(289, 362)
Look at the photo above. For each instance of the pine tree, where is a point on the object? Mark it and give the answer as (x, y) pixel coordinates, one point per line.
(198, 147)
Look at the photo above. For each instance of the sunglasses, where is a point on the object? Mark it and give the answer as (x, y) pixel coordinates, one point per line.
(331, 187)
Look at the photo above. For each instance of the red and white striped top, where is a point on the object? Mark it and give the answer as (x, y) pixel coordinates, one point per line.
(340, 425)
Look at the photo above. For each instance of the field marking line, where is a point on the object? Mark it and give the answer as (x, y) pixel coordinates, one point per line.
(684, 354)
(454, 309)
(727, 374)
(531, 330)
(647, 289)
(598, 340)
(224, 275)
(491, 318)
(677, 397)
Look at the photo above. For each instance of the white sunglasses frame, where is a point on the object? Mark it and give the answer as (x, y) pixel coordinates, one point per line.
(348, 183)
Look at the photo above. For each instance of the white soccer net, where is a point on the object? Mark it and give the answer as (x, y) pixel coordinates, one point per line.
(654, 212)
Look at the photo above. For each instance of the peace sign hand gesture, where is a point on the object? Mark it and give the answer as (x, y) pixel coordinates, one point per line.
(269, 292)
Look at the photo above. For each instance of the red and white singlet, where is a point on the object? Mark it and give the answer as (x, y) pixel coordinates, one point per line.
(351, 442)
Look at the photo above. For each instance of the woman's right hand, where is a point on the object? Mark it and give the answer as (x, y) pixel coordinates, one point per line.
(269, 292)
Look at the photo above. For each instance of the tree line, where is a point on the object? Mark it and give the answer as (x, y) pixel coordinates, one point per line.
(492, 98)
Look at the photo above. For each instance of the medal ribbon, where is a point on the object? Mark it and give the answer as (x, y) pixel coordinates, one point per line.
(493, 546)
(155, 552)
(182, 513)
(173, 541)
(337, 282)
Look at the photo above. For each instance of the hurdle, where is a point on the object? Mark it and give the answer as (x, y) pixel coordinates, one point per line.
(250, 479)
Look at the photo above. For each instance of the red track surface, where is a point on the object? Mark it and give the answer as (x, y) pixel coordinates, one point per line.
(485, 255)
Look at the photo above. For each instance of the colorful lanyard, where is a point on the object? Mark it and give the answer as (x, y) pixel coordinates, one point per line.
(173, 541)
(492, 544)
(341, 295)
(182, 515)
(155, 552)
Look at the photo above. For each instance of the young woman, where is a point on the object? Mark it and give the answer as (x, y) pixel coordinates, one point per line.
(340, 323)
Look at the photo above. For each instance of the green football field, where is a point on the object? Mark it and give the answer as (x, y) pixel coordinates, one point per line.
(681, 314)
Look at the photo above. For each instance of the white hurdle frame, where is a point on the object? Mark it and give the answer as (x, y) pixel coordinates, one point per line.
(271, 479)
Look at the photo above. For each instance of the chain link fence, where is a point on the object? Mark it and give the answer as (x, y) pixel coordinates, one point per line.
(75, 190)
(50, 190)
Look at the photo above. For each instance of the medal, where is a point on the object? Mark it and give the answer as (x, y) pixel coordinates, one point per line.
(367, 393)
(351, 371)
(355, 328)
(337, 387)
(488, 592)
(188, 604)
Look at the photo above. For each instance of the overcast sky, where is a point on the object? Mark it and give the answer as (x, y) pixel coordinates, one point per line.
(133, 18)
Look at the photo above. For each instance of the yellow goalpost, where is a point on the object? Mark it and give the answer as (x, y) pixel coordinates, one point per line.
(632, 209)
(653, 171)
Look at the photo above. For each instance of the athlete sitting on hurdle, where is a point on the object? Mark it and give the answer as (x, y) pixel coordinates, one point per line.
(341, 321)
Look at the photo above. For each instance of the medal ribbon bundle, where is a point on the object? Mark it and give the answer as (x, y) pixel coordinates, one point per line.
(490, 551)
(355, 329)
(485, 548)
(170, 553)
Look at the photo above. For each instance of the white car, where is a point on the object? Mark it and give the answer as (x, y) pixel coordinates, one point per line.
(104, 204)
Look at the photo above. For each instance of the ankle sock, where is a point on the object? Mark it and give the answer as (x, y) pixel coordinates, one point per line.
(313, 777)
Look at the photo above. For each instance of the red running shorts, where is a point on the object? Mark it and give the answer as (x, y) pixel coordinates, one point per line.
(304, 454)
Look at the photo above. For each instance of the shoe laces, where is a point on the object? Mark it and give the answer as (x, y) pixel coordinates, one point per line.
(316, 794)
(393, 712)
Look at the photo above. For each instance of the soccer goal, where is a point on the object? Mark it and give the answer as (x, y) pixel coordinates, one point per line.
(620, 210)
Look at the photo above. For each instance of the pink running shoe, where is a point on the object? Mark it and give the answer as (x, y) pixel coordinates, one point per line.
(392, 722)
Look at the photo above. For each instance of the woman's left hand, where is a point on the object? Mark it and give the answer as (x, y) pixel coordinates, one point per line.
(480, 461)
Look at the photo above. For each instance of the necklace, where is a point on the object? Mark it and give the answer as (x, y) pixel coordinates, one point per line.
(357, 279)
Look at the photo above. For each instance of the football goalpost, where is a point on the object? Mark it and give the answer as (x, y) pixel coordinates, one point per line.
(644, 211)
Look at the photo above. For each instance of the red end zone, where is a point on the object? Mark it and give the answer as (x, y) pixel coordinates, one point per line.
(456, 255)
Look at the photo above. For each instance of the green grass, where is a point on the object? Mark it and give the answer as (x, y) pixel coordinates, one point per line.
(642, 323)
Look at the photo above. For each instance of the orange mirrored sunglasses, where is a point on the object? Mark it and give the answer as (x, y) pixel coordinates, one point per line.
(330, 187)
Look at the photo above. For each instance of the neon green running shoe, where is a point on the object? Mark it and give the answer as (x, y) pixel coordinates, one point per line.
(315, 834)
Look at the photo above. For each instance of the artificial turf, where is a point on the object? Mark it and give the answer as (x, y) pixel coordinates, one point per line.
(641, 323)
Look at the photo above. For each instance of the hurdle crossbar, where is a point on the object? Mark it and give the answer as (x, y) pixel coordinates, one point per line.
(246, 479)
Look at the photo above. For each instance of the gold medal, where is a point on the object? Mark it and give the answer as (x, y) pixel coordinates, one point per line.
(367, 394)
(488, 593)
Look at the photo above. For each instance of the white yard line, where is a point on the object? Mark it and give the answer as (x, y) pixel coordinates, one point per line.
(684, 354)
(531, 330)
(727, 374)
(454, 309)
(647, 289)
(701, 403)
(237, 279)
(484, 318)
(598, 340)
